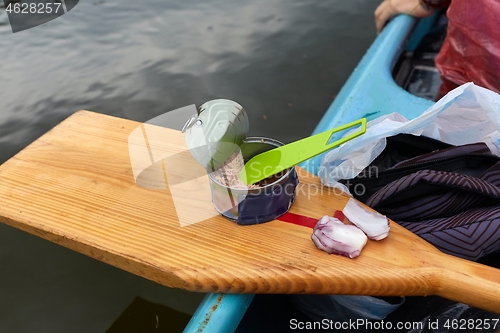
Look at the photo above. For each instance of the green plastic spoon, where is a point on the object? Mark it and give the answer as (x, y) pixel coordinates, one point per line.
(278, 159)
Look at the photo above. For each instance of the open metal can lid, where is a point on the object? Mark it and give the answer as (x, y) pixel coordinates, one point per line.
(216, 132)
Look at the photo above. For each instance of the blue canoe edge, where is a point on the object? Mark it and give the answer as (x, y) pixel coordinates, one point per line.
(369, 92)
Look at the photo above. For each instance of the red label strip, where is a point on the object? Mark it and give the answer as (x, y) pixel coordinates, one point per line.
(305, 220)
(298, 219)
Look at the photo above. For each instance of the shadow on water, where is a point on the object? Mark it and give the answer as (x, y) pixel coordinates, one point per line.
(143, 316)
(284, 61)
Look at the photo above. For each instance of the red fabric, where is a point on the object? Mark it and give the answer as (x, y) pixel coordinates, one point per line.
(471, 50)
(446, 87)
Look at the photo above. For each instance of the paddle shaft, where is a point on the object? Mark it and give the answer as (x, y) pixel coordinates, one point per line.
(468, 282)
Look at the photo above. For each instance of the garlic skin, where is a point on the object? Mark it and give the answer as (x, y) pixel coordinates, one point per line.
(335, 237)
(375, 225)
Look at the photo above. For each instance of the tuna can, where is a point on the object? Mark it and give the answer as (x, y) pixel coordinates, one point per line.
(216, 132)
(255, 205)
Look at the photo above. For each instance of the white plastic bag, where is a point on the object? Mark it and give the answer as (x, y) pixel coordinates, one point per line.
(466, 114)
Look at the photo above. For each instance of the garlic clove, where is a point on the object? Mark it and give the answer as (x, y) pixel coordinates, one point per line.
(335, 237)
(375, 225)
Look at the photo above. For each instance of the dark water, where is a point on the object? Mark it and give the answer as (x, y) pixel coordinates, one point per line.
(284, 61)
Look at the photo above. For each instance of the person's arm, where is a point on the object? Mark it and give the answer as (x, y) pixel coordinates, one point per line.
(417, 8)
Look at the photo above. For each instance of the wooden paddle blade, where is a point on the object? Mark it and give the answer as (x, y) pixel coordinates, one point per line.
(75, 186)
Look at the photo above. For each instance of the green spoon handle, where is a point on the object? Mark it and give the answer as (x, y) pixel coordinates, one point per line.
(278, 159)
(303, 149)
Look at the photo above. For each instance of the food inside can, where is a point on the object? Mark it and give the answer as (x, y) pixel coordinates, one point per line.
(227, 174)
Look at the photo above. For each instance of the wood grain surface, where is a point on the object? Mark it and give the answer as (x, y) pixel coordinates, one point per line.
(76, 186)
